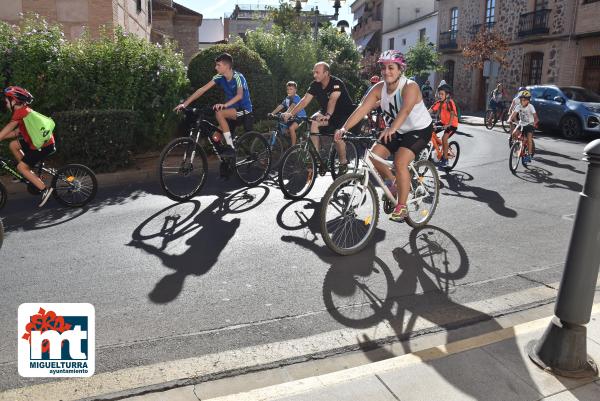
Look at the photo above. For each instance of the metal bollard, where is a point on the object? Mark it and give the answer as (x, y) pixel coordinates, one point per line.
(562, 350)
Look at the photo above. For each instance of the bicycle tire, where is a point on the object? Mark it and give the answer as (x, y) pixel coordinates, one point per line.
(252, 158)
(515, 156)
(293, 177)
(421, 167)
(277, 149)
(505, 123)
(453, 155)
(1, 233)
(370, 221)
(3, 195)
(179, 175)
(75, 185)
(489, 119)
(351, 158)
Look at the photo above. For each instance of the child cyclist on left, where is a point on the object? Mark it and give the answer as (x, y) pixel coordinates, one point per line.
(17, 101)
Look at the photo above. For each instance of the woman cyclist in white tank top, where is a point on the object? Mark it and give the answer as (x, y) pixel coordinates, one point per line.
(409, 125)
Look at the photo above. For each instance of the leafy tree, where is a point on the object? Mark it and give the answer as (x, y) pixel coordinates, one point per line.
(422, 59)
(487, 45)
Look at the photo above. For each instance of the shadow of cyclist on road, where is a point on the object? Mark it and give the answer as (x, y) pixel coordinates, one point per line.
(456, 183)
(202, 237)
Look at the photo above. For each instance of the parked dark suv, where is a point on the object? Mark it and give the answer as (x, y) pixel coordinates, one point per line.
(571, 109)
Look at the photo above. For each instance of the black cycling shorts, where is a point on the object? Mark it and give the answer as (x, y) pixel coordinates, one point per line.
(335, 122)
(33, 157)
(527, 129)
(416, 141)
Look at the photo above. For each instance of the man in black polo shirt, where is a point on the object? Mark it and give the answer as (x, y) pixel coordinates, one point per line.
(335, 108)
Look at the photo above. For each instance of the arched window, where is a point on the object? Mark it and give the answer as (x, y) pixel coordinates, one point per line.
(449, 72)
(532, 68)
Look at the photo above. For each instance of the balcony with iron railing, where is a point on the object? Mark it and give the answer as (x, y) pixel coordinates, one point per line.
(447, 40)
(534, 23)
(486, 26)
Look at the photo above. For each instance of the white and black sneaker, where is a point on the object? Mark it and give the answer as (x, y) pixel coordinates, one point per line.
(45, 196)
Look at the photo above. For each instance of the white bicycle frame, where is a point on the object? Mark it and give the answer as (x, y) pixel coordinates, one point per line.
(370, 168)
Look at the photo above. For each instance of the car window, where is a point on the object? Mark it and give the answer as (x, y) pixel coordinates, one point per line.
(551, 93)
(537, 92)
(581, 94)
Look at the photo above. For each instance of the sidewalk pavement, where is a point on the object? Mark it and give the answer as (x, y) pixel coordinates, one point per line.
(492, 366)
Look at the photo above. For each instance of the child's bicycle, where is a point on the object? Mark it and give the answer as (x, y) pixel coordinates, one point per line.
(183, 165)
(74, 185)
(434, 150)
(350, 207)
(518, 151)
(278, 141)
(302, 162)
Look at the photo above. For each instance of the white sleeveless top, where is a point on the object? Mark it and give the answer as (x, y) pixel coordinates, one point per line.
(418, 119)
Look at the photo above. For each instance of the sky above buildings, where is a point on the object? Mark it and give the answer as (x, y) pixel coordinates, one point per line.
(217, 8)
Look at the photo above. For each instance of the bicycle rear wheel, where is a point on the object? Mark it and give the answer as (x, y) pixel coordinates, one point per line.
(349, 214)
(3, 196)
(515, 155)
(351, 158)
(453, 154)
(74, 185)
(252, 158)
(424, 194)
(297, 172)
(489, 119)
(182, 169)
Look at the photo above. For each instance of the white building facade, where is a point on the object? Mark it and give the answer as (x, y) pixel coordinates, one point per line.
(406, 22)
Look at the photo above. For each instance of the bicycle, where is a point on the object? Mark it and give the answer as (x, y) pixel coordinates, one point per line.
(183, 162)
(75, 185)
(435, 151)
(518, 151)
(1, 233)
(301, 162)
(501, 114)
(278, 141)
(350, 206)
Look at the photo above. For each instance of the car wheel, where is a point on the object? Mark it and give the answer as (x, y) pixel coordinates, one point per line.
(570, 127)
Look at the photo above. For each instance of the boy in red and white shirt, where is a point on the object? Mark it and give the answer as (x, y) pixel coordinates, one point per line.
(17, 101)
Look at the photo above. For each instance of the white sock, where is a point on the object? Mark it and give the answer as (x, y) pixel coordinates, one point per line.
(228, 139)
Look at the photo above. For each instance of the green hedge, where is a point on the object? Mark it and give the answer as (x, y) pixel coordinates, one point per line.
(116, 71)
(249, 63)
(100, 139)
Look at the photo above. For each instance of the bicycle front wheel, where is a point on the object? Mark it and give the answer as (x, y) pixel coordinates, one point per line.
(489, 119)
(278, 145)
(505, 123)
(453, 154)
(349, 214)
(515, 156)
(182, 169)
(74, 185)
(297, 172)
(252, 158)
(351, 159)
(3, 196)
(424, 195)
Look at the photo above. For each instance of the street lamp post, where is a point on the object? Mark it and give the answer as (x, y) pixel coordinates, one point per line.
(337, 4)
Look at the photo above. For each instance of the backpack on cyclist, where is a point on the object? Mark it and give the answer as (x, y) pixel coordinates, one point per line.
(39, 127)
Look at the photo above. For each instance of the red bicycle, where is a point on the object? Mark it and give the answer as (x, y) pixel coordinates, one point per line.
(518, 151)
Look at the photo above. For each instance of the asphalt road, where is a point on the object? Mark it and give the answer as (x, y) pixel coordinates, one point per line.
(236, 268)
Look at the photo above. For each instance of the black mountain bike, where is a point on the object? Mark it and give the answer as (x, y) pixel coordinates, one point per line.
(183, 165)
(302, 162)
(74, 185)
